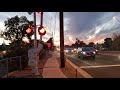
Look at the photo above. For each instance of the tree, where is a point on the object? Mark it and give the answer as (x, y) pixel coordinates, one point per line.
(15, 28)
(116, 42)
(79, 43)
(91, 44)
(66, 46)
(108, 43)
(84, 44)
(15, 31)
(73, 45)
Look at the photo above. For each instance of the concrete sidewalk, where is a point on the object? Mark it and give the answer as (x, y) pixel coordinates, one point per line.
(48, 68)
(51, 68)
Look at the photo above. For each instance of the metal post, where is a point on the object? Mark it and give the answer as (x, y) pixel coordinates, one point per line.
(52, 36)
(7, 67)
(53, 42)
(41, 24)
(62, 40)
(20, 63)
(76, 72)
(40, 37)
(35, 38)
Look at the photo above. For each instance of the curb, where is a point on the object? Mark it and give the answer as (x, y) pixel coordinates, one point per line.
(79, 70)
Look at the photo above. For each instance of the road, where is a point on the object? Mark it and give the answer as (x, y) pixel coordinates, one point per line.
(104, 66)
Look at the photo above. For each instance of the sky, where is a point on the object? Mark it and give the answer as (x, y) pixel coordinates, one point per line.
(86, 26)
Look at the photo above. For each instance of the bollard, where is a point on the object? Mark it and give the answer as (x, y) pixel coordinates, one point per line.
(20, 63)
(76, 72)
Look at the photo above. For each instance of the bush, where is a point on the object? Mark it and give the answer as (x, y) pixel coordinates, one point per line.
(17, 50)
(14, 64)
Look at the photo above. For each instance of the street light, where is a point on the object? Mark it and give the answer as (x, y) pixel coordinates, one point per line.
(116, 18)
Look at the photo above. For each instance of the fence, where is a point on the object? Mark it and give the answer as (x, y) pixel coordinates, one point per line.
(77, 71)
(8, 65)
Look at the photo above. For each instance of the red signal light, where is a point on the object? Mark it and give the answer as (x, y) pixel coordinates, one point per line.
(41, 13)
(42, 30)
(29, 30)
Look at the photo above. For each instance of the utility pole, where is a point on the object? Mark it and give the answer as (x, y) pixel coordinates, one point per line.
(53, 40)
(62, 61)
(41, 24)
(35, 38)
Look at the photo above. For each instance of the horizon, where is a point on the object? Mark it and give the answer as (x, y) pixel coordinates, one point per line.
(86, 26)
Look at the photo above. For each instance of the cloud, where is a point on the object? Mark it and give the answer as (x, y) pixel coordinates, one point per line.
(91, 26)
(87, 26)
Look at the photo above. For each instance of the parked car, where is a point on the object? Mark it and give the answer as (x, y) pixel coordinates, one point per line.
(85, 52)
(68, 50)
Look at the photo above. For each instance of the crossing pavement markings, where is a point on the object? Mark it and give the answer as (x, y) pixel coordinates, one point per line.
(100, 66)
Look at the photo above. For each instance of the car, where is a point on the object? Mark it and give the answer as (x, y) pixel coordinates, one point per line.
(94, 49)
(58, 50)
(75, 50)
(68, 51)
(85, 52)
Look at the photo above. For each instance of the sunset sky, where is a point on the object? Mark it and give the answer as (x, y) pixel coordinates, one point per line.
(87, 26)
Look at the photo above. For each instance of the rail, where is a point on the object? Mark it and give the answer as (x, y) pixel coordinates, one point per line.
(8, 65)
(78, 71)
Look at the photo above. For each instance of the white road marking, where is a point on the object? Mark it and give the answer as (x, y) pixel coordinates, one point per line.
(100, 66)
(109, 54)
(81, 60)
(84, 73)
(79, 70)
(93, 66)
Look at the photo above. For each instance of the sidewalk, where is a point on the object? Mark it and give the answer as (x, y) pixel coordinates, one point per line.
(51, 69)
(48, 68)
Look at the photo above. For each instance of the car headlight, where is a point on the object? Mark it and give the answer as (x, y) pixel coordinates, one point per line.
(72, 50)
(66, 50)
(84, 52)
(94, 52)
(75, 49)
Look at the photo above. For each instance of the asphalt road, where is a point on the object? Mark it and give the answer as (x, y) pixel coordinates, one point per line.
(104, 66)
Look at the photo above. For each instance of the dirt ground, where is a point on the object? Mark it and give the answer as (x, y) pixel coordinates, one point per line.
(68, 70)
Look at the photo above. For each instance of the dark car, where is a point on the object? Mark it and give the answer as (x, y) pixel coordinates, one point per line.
(85, 52)
(94, 49)
(68, 51)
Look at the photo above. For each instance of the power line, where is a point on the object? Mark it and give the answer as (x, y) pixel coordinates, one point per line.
(117, 19)
(53, 35)
(55, 24)
(50, 22)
